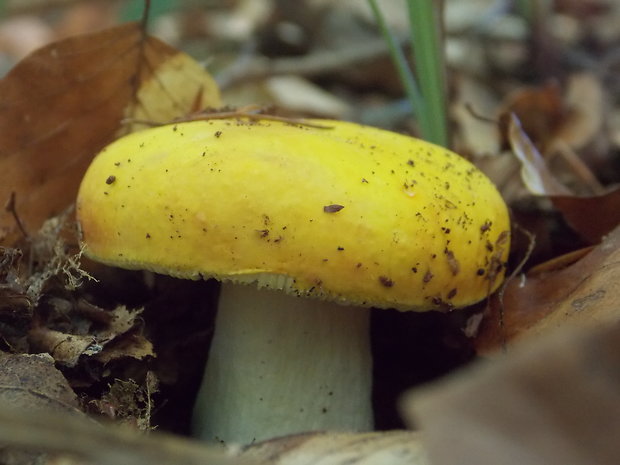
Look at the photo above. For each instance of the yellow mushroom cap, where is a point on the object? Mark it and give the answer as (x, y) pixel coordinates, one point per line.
(349, 213)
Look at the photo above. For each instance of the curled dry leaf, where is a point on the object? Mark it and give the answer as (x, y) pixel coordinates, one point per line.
(64, 348)
(131, 344)
(122, 320)
(582, 293)
(65, 101)
(384, 448)
(119, 338)
(534, 172)
(549, 114)
(541, 110)
(554, 401)
(123, 337)
(592, 217)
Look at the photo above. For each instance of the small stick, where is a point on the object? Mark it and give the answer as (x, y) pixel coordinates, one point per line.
(500, 294)
(576, 164)
(252, 112)
(474, 113)
(11, 208)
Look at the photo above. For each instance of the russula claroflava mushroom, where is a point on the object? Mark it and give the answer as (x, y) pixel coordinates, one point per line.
(306, 228)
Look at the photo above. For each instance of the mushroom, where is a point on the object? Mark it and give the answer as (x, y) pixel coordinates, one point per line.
(306, 228)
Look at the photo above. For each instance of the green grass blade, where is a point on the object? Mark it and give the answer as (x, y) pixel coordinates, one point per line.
(427, 47)
(398, 57)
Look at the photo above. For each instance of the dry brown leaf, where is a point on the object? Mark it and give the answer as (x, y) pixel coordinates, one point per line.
(555, 401)
(382, 448)
(583, 293)
(31, 382)
(592, 217)
(64, 102)
(541, 110)
(123, 337)
(128, 345)
(549, 115)
(119, 338)
(122, 320)
(534, 172)
(558, 123)
(66, 349)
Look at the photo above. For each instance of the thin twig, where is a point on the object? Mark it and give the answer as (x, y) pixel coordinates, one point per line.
(576, 165)
(12, 209)
(500, 294)
(145, 15)
(478, 116)
(251, 112)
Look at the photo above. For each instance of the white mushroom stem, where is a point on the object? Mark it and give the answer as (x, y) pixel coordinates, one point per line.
(280, 364)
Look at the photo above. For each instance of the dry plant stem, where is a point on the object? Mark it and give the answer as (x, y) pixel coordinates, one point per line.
(518, 269)
(12, 209)
(578, 167)
(249, 112)
(279, 364)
